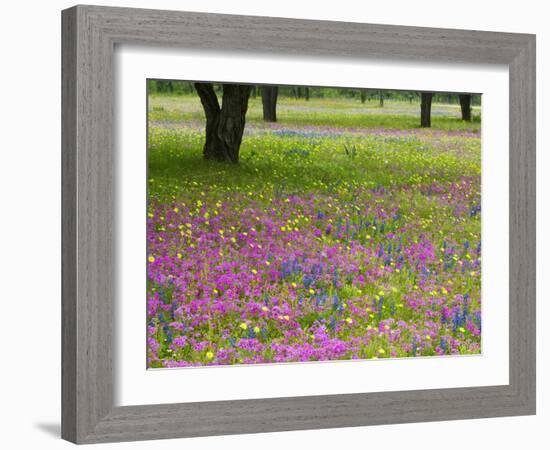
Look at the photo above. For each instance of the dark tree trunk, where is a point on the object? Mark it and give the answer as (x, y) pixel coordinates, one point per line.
(466, 106)
(306, 93)
(269, 102)
(363, 95)
(426, 109)
(212, 110)
(381, 99)
(225, 125)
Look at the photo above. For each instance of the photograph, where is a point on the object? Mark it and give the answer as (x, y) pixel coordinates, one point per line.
(293, 224)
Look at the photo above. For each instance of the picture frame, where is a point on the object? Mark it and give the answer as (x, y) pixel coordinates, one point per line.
(90, 34)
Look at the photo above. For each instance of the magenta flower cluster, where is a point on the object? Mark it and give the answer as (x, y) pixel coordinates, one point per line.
(242, 277)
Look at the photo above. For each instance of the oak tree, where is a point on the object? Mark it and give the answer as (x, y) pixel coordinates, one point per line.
(225, 123)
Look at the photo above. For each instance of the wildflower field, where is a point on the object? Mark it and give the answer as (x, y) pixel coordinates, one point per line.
(345, 232)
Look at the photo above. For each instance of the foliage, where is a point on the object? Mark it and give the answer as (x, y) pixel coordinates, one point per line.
(171, 87)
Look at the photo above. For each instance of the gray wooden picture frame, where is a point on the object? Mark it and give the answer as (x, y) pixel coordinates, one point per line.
(90, 34)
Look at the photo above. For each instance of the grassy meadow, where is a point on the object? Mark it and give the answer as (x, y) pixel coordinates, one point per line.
(345, 232)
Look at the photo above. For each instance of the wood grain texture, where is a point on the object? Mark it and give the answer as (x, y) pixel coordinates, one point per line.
(89, 36)
(68, 225)
(523, 224)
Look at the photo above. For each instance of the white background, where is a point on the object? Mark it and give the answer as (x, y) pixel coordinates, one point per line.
(134, 385)
(30, 225)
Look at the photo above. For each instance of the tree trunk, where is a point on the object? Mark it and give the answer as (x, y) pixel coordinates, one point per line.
(426, 110)
(466, 106)
(381, 99)
(269, 102)
(225, 125)
(363, 95)
(306, 92)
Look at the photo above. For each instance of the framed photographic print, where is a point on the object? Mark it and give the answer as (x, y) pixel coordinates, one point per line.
(279, 224)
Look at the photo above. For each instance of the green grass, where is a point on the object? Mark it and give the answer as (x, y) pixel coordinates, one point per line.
(311, 163)
(340, 113)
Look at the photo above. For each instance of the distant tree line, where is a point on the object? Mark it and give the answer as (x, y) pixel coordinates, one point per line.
(170, 87)
(304, 92)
